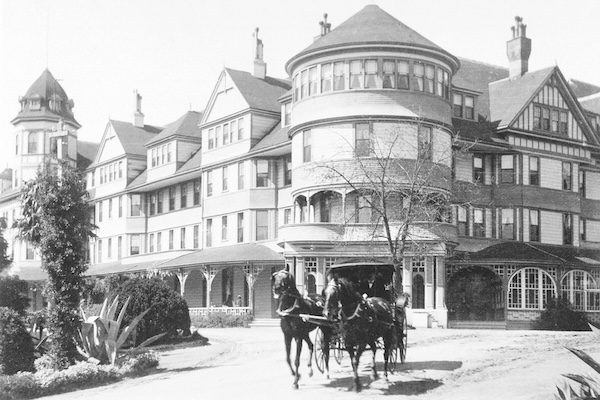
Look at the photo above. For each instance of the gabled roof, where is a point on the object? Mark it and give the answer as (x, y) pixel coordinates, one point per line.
(476, 76)
(259, 93)
(277, 136)
(371, 26)
(132, 138)
(582, 89)
(509, 96)
(86, 151)
(185, 126)
(591, 103)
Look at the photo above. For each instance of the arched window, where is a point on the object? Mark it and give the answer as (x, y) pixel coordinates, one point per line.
(530, 288)
(32, 143)
(311, 284)
(581, 290)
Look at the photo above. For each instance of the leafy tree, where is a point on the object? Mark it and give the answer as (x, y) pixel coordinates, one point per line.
(16, 347)
(560, 316)
(5, 260)
(13, 294)
(56, 220)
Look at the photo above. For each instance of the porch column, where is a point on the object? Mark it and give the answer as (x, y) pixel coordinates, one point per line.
(310, 211)
(344, 205)
(182, 277)
(407, 276)
(429, 288)
(251, 272)
(440, 287)
(300, 274)
(209, 274)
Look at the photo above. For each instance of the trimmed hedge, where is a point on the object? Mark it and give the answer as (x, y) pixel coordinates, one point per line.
(16, 346)
(222, 320)
(560, 316)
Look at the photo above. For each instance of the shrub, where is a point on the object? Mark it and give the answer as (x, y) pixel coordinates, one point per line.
(16, 347)
(13, 293)
(560, 316)
(26, 385)
(222, 320)
(168, 310)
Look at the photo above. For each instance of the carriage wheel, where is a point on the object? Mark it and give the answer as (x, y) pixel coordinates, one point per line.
(319, 350)
(338, 350)
(394, 347)
(403, 342)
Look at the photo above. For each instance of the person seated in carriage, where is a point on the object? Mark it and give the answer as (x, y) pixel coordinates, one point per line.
(374, 286)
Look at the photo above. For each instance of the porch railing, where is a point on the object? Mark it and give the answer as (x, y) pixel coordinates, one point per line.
(204, 311)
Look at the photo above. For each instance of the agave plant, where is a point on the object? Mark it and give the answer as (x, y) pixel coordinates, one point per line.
(101, 336)
(589, 387)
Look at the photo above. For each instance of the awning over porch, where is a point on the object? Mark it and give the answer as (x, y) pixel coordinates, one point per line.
(519, 252)
(240, 254)
(118, 267)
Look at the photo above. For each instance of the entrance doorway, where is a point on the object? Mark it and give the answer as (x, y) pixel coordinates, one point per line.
(475, 294)
(418, 292)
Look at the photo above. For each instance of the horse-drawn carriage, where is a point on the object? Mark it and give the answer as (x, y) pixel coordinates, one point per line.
(359, 308)
(371, 280)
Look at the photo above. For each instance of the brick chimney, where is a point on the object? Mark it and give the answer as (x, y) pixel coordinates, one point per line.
(325, 28)
(138, 116)
(260, 67)
(518, 50)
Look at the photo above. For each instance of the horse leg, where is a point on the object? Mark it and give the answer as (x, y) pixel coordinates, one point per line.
(288, 348)
(310, 354)
(387, 344)
(297, 362)
(374, 375)
(354, 357)
(327, 338)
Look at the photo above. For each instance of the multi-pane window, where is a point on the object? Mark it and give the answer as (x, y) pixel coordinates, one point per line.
(507, 168)
(478, 222)
(233, 131)
(30, 252)
(388, 81)
(225, 179)
(287, 115)
(457, 101)
(159, 241)
(262, 173)
(151, 242)
(306, 146)
(99, 252)
(356, 74)
(313, 81)
(463, 221)
(240, 180)
(339, 76)
(32, 143)
(362, 139)
(563, 127)
(209, 183)
(429, 78)
(326, 78)
(546, 119)
(534, 225)
(581, 290)
(478, 171)
(196, 192)
(507, 223)
(567, 175)
(370, 74)
(224, 229)
(240, 227)
(110, 208)
(403, 75)
(135, 245)
(171, 238)
(225, 134)
(419, 76)
(534, 171)
(582, 178)
(136, 205)
(182, 238)
(554, 121)
(530, 288)
(262, 225)
(120, 206)
(211, 138)
(567, 228)
(120, 169)
(196, 236)
(119, 247)
(171, 198)
(218, 130)
(241, 128)
(463, 106)
(209, 232)
(287, 170)
(159, 202)
(425, 145)
(100, 211)
(582, 229)
(183, 197)
(287, 216)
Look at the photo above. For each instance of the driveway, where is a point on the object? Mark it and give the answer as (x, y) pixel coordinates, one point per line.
(450, 364)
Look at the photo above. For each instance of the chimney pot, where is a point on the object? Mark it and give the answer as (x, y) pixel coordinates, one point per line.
(138, 116)
(518, 50)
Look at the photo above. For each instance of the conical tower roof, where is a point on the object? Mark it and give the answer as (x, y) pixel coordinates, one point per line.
(370, 27)
(47, 90)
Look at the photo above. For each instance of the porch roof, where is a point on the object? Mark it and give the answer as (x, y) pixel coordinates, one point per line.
(247, 253)
(118, 267)
(534, 253)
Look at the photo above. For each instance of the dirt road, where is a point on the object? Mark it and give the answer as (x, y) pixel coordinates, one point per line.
(448, 364)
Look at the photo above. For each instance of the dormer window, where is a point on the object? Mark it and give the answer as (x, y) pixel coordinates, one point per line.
(35, 104)
(463, 106)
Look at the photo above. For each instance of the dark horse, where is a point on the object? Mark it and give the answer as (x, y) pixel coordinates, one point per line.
(361, 322)
(291, 305)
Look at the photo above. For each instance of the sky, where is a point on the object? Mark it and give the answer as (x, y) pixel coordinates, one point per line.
(172, 52)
